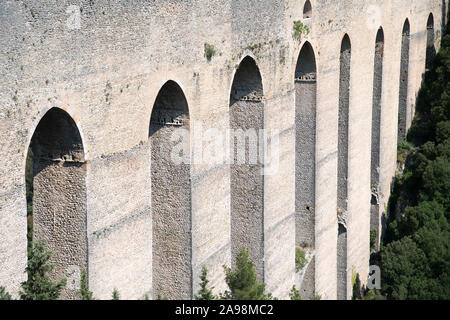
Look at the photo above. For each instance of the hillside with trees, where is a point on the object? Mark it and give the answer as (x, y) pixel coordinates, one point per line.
(415, 256)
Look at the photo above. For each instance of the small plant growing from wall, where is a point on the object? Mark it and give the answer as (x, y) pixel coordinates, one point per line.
(210, 51)
(300, 30)
(373, 239)
(300, 259)
(295, 294)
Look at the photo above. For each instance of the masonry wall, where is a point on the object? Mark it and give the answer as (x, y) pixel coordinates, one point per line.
(106, 73)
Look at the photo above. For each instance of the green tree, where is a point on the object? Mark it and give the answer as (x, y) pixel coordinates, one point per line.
(243, 282)
(373, 295)
(4, 295)
(294, 294)
(115, 294)
(300, 259)
(84, 292)
(38, 285)
(205, 293)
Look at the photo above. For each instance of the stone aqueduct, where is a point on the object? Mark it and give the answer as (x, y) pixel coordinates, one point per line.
(97, 88)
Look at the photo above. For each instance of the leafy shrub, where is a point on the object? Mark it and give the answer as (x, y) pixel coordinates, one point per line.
(4, 295)
(243, 282)
(210, 51)
(295, 294)
(300, 30)
(300, 259)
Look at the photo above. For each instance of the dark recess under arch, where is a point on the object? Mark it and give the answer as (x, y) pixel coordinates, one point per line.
(59, 196)
(247, 180)
(171, 195)
(404, 76)
(431, 49)
(307, 10)
(305, 142)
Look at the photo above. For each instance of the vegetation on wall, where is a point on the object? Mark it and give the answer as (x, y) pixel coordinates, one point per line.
(300, 259)
(210, 51)
(300, 30)
(4, 295)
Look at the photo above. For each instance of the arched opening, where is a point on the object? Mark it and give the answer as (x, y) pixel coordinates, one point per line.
(342, 192)
(431, 49)
(403, 90)
(247, 180)
(307, 10)
(376, 134)
(171, 194)
(305, 142)
(56, 196)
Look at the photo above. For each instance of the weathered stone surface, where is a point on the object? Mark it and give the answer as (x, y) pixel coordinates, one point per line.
(106, 72)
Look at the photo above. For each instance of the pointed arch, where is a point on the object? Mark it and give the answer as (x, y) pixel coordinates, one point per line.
(171, 194)
(247, 181)
(404, 79)
(342, 177)
(305, 142)
(56, 196)
(431, 48)
(307, 10)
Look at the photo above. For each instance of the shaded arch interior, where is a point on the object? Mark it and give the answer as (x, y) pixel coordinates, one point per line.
(431, 49)
(404, 78)
(171, 194)
(58, 200)
(247, 181)
(305, 142)
(307, 10)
